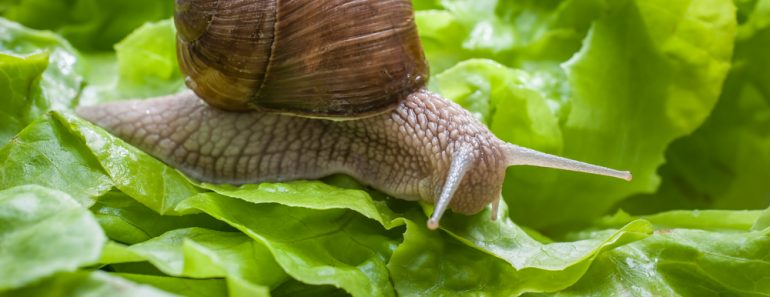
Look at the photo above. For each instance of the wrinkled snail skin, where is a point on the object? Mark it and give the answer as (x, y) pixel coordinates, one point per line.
(261, 65)
(426, 149)
(405, 153)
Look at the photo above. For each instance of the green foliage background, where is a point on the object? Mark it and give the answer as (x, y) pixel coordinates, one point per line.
(677, 91)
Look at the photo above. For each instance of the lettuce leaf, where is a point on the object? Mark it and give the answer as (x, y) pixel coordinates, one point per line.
(520, 264)
(82, 283)
(247, 266)
(683, 262)
(91, 25)
(661, 85)
(127, 221)
(334, 247)
(685, 256)
(42, 232)
(144, 66)
(39, 71)
(724, 163)
(610, 82)
(18, 74)
(44, 153)
(181, 286)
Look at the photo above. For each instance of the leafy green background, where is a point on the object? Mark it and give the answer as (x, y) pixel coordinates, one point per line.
(676, 91)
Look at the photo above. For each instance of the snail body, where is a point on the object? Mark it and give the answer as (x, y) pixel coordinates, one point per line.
(396, 136)
(405, 153)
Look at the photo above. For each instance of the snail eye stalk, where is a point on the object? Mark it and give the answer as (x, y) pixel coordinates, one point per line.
(461, 162)
(517, 155)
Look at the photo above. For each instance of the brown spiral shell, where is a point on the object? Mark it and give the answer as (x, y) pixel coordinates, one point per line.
(323, 58)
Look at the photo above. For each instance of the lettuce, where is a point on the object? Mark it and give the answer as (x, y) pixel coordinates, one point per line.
(674, 90)
(685, 256)
(40, 72)
(90, 25)
(724, 163)
(82, 283)
(144, 65)
(203, 253)
(31, 246)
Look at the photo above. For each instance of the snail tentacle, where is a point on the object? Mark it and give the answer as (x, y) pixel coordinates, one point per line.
(517, 155)
(461, 162)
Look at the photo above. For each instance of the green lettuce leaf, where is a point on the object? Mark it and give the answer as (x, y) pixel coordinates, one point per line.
(203, 253)
(763, 221)
(333, 246)
(685, 256)
(90, 25)
(39, 71)
(144, 66)
(126, 220)
(708, 219)
(16, 75)
(46, 154)
(528, 34)
(724, 164)
(42, 232)
(505, 100)
(181, 286)
(306, 194)
(248, 266)
(426, 4)
(523, 258)
(87, 284)
(432, 264)
(668, 61)
(459, 261)
(295, 288)
(683, 262)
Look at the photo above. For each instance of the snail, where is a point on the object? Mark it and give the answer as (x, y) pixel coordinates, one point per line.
(286, 90)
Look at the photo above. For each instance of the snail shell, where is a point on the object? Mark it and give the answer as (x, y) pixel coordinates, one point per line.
(337, 58)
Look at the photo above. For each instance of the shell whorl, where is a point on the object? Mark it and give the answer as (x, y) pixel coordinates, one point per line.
(224, 47)
(333, 58)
